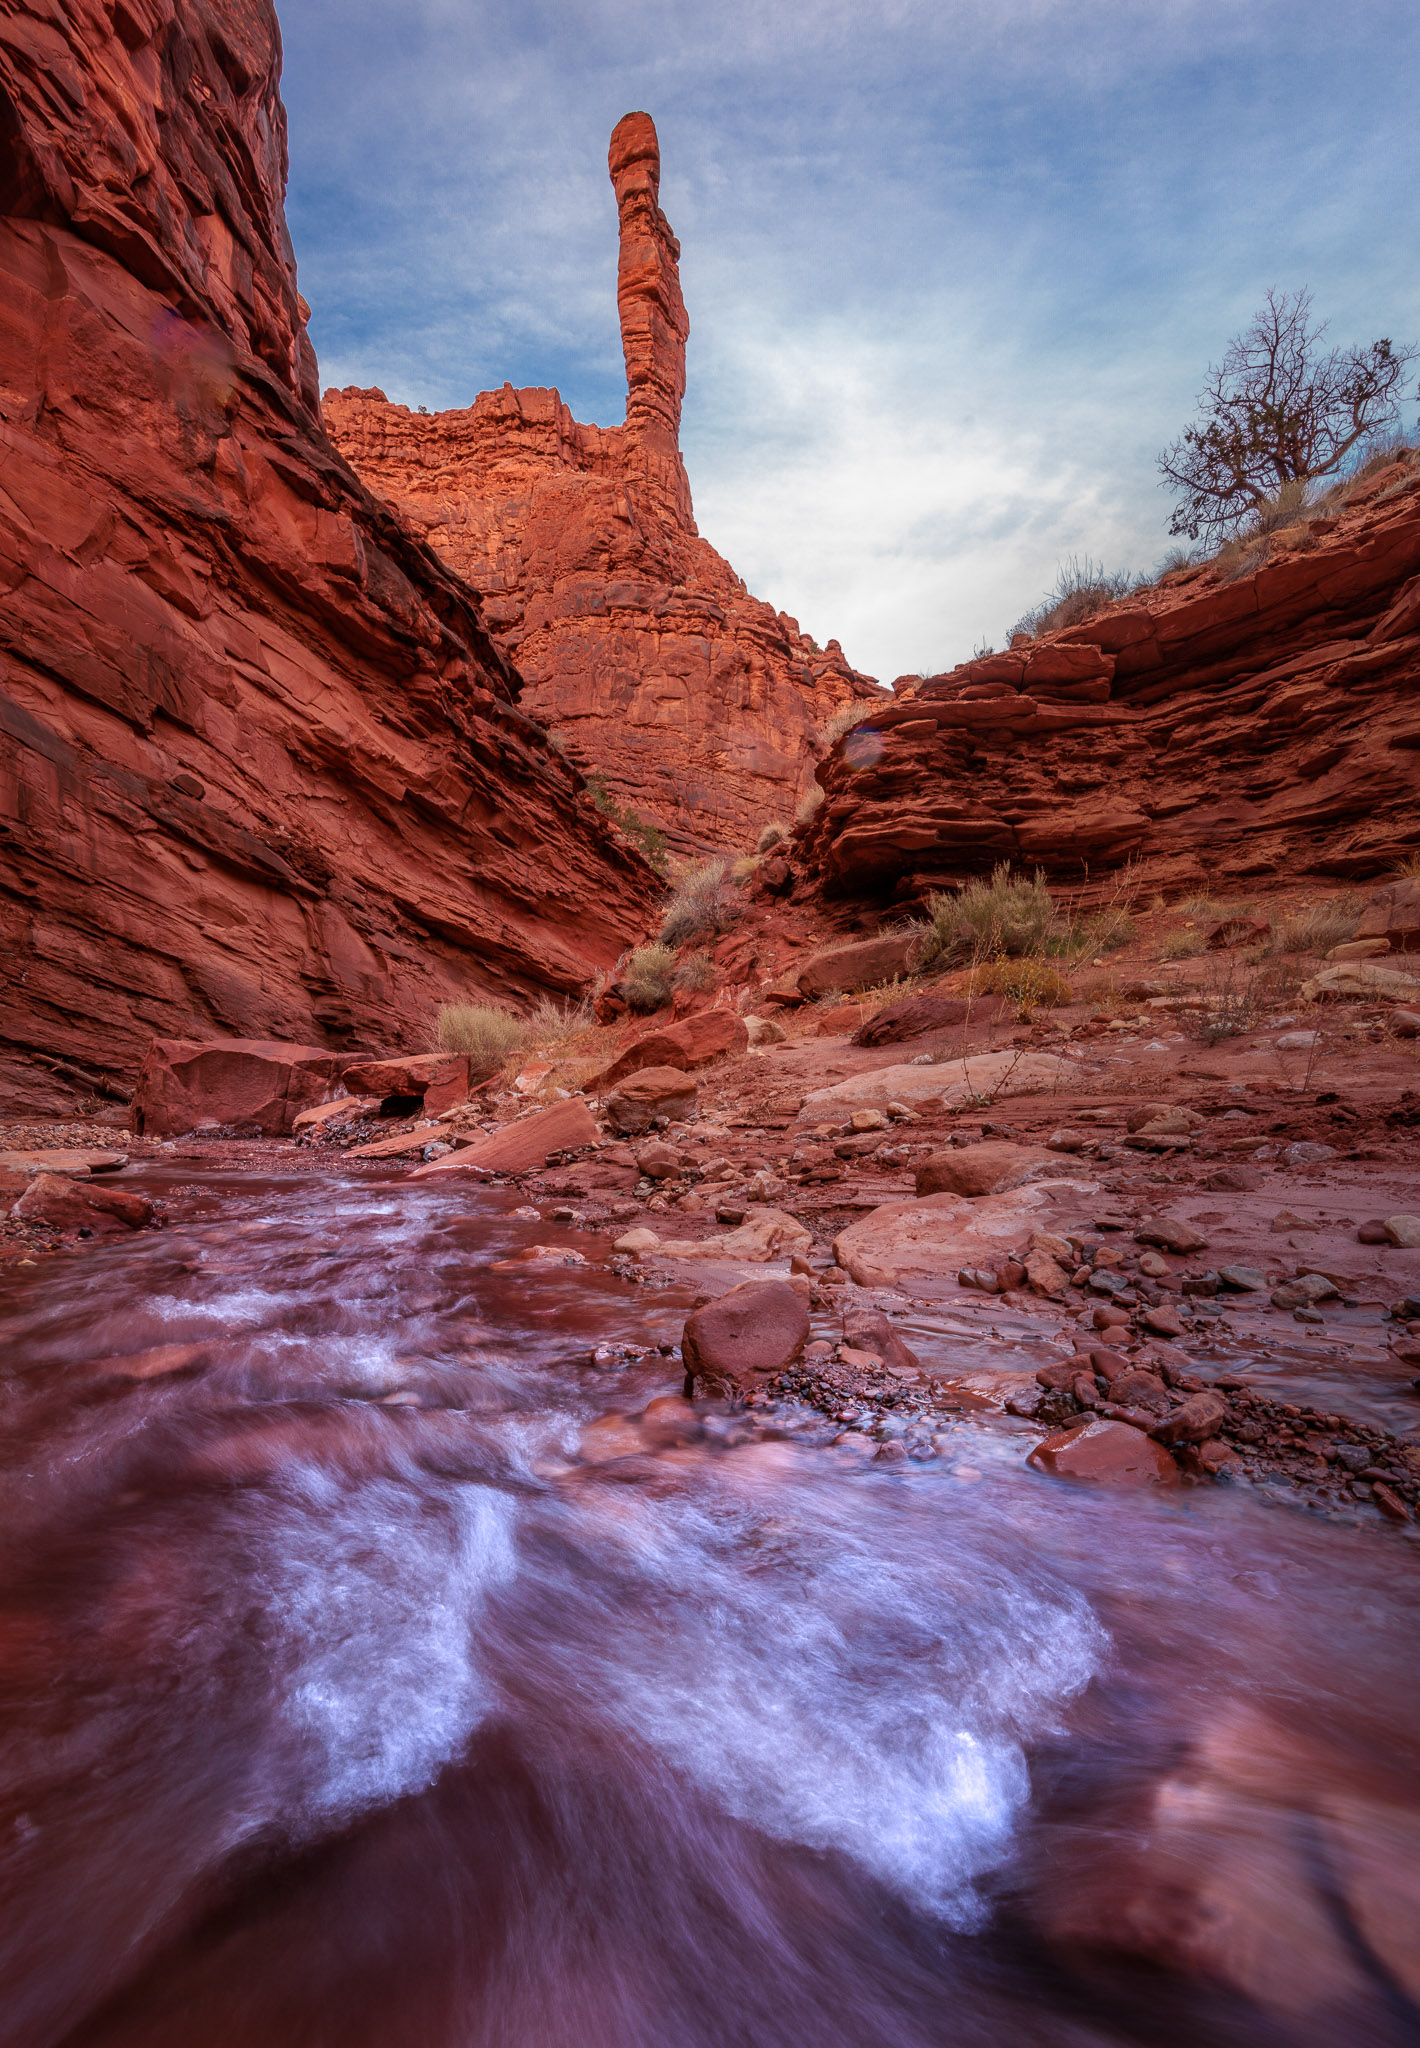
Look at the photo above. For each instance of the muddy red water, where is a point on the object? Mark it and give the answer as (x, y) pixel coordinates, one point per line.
(343, 1705)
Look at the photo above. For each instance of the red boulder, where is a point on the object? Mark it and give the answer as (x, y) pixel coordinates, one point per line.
(744, 1337)
(243, 1081)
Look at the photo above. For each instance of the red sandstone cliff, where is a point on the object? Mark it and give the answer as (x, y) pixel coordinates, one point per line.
(262, 770)
(639, 644)
(1216, 728)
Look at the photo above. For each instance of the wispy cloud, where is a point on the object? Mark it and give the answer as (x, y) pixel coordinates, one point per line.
(954, 271)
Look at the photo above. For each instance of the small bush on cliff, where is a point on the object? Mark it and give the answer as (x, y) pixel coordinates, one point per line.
(1083, 587)
(695, 972)
(1279, 411)
(1008, 915)
(484, 1032)
(704, 903)
(773, 835)
(650, 838)
(649, 977)
(843, 720)
(808, 807)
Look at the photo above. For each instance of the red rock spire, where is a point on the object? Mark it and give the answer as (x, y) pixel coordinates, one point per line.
(654, 324)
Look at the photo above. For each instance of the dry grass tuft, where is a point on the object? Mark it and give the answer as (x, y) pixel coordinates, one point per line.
(649, 979)
(843, 720)
(1316, 928)
(808, 807)
(1031, 983)
(704, 903)
(774, 834)
(696, 971)
(486, 1034)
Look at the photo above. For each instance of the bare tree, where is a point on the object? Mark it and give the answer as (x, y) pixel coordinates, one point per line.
(1278, 411)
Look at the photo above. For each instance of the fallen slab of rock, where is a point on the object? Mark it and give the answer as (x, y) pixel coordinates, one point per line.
(936, 1236)
(765, 1234)
(69, 1204)
(564, 1128)
(985, 1169)
(73, 1161)
(247, 1082)
(739, 1341)
(708, 1035)
(978, 1077)
(637, 1101)
(860, 965)
(439, 1080)
(1105, 1454)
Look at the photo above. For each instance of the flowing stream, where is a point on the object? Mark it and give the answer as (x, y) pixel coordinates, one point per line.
(343, 1705)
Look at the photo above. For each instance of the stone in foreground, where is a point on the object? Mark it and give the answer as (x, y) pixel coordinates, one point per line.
(647, 1094)
(67, 1204)
(708, 1035)
(247, 1082)
(980, 1169)
(563, 1128)
(737, 1342)
(1105, 1454)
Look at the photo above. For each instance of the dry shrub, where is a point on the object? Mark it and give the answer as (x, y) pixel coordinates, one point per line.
(1031, 983)
(843, 720)
(704, 903)
(551, 1023)
(649, 978)
(1182, 945)
(808, 806)
(1083, 587)
(1317, 927)
(695, 972)
(1007, 915)
(485, 1033)
(774, 834)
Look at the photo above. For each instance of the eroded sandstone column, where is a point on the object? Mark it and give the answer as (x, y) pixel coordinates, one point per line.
(654, 324)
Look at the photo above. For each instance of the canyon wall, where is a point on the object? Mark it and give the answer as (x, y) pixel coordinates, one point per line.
(639, 645)
(1254, 719)
(262, 769)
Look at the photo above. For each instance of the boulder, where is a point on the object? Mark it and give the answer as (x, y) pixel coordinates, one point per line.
(858, 966)
(1171, 1234)
(708, 1035)
(764, 1031)
(337, 1111)
(242, 1081)
(915, 1016)
(980, 1169)
(1237, 931)
(1393, 914)
(840, 1020)
(438, 1079)
(65, 1159)
(754, 1331)
(766, 1234)
(566, 1127)
(1404, 1231)
(1201, 1416)
(1105, 1454)
(1405, 1023)
(658, 1161)
(868, 1329)
(648, 1093)
(982, 1077)
(1361, 981)
(67, 1204)
(936, 1237)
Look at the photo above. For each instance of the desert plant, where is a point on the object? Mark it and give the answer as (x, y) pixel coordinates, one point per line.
(552, 1023)
(808, 806)
(843, 720)
(703, 904)
(696, 971)
(485, 1033)
(1407, 867)
(1316, 928)
(1181, 945)
(650, 838)
(1083, 587)
(649, 976)
(1007, 915)
(1278, 411)
(773, 835)
(1030, 982)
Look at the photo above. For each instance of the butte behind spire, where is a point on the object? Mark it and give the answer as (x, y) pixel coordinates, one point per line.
(654, 323)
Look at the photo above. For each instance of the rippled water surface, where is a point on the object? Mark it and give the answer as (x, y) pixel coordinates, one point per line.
(344, 1705)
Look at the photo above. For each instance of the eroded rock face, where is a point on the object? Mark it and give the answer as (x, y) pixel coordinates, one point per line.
(1215, 727)
(639, 644)
(262, 769)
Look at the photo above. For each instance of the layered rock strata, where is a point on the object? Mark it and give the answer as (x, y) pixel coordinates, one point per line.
(262, 770)
(1218, 727)
(641, 648)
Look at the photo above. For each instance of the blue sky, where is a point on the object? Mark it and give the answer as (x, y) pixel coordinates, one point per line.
(954, 272)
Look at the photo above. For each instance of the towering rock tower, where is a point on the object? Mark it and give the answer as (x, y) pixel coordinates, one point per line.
(638, 644)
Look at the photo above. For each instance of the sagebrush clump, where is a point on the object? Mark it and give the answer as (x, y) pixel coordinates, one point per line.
(1010, 914)
(774, 834)
(1083, 587)
(1316, 928)
(484, 1033)
(1031, 983)
(649, 978)
(704, 903)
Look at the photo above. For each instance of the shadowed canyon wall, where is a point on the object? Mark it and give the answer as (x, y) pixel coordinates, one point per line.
(262, 769)
(639, 644)
(1221, 727)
